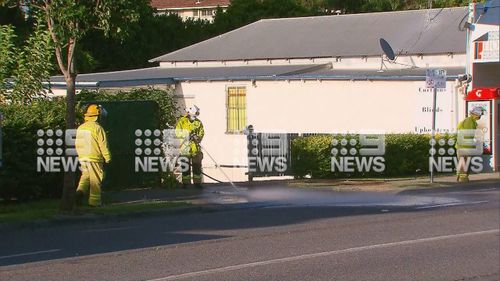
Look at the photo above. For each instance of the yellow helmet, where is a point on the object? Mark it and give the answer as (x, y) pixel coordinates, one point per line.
(93, 110)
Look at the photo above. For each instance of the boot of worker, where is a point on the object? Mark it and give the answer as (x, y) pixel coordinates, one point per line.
(197, 181)
(463, 178)
(197, 170)
(186, 182)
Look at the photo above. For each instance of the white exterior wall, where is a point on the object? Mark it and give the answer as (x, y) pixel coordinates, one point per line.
(316, 107)
(193, 13)
(485, 70)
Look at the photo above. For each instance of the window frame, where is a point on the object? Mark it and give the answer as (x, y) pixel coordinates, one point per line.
(207, 12)
(244, 108)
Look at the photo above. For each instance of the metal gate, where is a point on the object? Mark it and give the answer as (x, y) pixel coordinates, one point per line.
(269, 154)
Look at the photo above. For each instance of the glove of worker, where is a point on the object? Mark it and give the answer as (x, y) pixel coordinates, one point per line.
(194, 138)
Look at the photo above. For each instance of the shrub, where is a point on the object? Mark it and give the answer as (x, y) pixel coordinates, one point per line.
(164, 99)
(311, 156)
(405, 155)
(18, 176)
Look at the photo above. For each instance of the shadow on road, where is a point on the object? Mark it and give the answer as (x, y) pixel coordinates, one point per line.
(260, 208)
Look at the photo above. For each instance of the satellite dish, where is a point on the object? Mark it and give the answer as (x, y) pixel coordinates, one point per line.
(387, 49)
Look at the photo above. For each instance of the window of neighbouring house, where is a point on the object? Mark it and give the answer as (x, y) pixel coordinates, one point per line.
(206, 13)
(236, 109)
(195, 13)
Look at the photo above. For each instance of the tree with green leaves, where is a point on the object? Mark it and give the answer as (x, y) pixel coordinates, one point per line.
(7, 51)
(242, 12)
(14, 16)
(68, 21)
(33, 67)
(25, 70)
(365, 6)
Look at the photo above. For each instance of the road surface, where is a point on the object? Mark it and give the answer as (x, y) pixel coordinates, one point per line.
(277, 234)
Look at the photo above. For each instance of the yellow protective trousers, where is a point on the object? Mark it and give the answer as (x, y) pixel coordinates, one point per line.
(462, 170)
(195, 166)
(92, 175)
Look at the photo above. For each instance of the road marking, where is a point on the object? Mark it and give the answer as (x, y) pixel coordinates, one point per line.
(449, 205)
(321, 254)
(30, 254)
(108, 229)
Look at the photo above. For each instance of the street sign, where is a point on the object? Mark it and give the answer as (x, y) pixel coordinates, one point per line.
(435, 79)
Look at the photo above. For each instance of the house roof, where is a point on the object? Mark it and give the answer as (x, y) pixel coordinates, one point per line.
(165, 76)
(433, 31)
(172, 4)
(160, 75)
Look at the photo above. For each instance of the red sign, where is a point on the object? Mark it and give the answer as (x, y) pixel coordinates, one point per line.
(484, 94)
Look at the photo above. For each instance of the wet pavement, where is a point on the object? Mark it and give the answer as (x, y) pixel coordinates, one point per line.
(282, 196)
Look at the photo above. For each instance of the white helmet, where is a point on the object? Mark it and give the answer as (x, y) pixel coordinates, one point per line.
(477, 111)
(193, 111)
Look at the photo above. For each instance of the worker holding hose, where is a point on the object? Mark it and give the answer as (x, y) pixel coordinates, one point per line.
(190, 126)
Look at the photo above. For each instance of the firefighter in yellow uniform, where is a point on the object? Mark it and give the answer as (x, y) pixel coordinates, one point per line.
(92, 148)
(469, 123)
(191, 128)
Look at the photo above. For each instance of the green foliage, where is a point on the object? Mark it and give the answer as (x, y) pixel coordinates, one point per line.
(152, 36)
(311, 156)
(33, 67)
(22, 23)
(366, 6)
(107, 32)
(242, 12)
(19, 177)
(405, 155)
(26, 67)
(7, 51)
(67, 22)
(165, 100)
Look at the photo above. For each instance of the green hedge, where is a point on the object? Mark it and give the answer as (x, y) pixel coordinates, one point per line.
(163, 98)
(405, 155)
(18, 177)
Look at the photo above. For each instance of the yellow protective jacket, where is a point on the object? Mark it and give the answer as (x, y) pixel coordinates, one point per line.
(195, 132)
(91, 143)
(467, 124)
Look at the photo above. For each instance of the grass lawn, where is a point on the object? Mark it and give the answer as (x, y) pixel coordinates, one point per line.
(25, 212)
(48, 209)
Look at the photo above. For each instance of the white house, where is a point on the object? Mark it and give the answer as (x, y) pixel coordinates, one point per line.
(190, 9)
(312, 75)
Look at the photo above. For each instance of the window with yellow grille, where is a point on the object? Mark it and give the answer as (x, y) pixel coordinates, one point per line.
(236, 109)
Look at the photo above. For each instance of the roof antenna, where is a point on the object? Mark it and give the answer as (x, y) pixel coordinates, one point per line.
(388, 52)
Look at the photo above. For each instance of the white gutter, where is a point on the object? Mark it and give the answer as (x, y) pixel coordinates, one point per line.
(81, 84)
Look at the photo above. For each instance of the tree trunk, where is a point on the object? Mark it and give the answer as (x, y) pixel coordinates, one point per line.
(67, 202)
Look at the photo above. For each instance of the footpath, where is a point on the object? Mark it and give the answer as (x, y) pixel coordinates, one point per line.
(128, 204)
